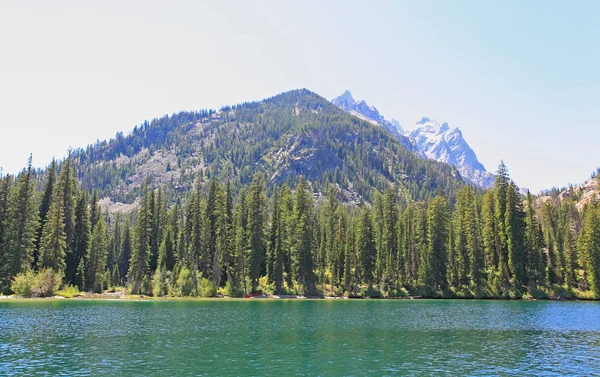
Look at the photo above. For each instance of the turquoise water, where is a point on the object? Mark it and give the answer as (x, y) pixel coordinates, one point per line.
(298, 337)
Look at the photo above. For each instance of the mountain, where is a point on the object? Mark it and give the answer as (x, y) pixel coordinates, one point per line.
(370, 114)
(580, 194)
(291, 134)
(430, 140)
(442, 143)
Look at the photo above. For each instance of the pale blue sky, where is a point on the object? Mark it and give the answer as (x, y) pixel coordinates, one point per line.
(521, 79)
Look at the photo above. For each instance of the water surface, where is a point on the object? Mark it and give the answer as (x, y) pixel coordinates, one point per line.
(298, 337)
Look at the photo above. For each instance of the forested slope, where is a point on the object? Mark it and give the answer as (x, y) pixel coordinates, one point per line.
(292, 134)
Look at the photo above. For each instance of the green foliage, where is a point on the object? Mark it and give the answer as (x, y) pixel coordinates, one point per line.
(68, 291)
(161, 282)
(253, 234)
(185, 284)
(41, 284)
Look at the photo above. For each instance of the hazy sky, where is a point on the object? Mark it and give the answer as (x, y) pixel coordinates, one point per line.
(521, 79)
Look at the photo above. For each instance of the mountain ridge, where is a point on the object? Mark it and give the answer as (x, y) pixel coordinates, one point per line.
(429, 139)
(291, 134)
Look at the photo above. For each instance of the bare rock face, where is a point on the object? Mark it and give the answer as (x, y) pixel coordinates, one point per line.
(442, 143)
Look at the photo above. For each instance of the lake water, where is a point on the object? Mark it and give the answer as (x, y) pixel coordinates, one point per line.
(298, 337)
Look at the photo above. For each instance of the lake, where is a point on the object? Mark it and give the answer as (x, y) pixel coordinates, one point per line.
(298, 337)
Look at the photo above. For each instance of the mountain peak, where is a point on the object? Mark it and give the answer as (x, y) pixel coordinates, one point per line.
(345, 100)
(439, 142)
(398, 126)
(424, 120)
(362, 110)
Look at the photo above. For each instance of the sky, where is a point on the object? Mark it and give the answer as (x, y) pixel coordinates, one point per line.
(520, 79)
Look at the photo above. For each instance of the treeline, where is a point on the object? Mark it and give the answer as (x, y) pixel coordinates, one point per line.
(498, 244)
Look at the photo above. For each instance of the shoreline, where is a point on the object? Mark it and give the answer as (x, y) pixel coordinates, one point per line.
(126, 297)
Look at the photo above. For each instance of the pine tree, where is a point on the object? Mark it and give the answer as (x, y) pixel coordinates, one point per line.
(256, 224)
(80, 275)
(45, 207)
(94, 210)
(275, 252)
(351, 262)
(166, 254)
(475, 245)
(501, 186)
(67, 189)
(125, 255)
(96, 257)
(140, 255)
(303, 236)
(241, 244)
(533, 244)
(365, 246)
(438, 224)
(227, 233)
(22, 224)
(81, 237)
(5, 188)
(212, 215)
(54, 239)
(591, 249)
(388, 254)
(514, 227)
(462, 229)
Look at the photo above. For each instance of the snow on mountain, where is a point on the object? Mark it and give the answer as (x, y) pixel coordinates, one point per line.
(368, 113)
(442, 143)
(429, 139)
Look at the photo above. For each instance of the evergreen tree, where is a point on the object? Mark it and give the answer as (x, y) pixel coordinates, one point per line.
(242, 245)
(256, 224)
(68, 191)
(514, 227)
(501, 187)
(22, 224)
(81, 238)
(365, 246)
(534, 245)
(591, 249)
(139, 262)
(54, 239)
(45, 207)
(303, 235)
(166, 254)
(5, 188)
(438, 221)
(95, 265)
(388, 253)
(125, 255)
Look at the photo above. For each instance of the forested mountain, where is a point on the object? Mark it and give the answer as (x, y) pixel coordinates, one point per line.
(290, 195)
(292, 134)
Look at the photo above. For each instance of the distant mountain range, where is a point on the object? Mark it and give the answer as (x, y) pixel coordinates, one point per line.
(428, 139)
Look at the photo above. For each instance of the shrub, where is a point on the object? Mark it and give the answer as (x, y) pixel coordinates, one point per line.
(46, 282)
(265, 287)
(22, 284)
(68, 291)
(231, 290)
(185, 283)
(42, 284)
(160, 283)
(207, 288)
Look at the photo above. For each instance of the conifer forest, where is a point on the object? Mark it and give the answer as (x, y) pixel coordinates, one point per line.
(276, 239)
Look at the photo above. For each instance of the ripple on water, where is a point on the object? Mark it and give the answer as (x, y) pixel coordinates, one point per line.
(302, 337)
